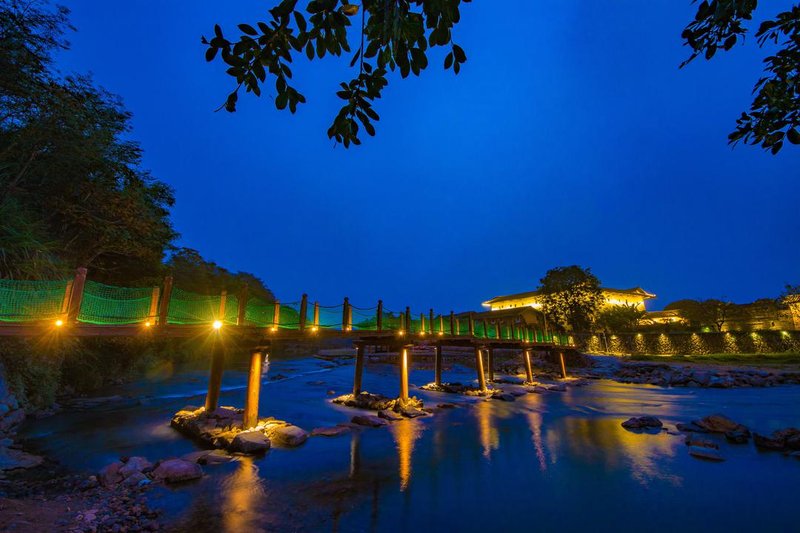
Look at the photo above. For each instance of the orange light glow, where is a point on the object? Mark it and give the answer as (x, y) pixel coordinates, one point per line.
(217, 324)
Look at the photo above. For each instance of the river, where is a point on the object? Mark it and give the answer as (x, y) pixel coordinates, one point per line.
(554, 461)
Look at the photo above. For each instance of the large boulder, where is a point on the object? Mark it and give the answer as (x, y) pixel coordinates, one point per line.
(177, 470)
(709, 454)
(334, 431)
(720, 424)
(133, 465)
(286, 434)
(250, 442)
(11, 459)
(109, 475)
(368, 420)
(642, 422)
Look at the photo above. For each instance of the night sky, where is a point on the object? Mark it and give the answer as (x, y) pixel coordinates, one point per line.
(570, 137)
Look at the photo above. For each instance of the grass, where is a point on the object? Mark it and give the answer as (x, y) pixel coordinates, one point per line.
(768, 359)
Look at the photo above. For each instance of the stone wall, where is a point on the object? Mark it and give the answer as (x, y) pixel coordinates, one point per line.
(731, 342)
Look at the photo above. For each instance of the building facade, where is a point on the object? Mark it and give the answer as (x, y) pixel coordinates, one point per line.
(635, 296)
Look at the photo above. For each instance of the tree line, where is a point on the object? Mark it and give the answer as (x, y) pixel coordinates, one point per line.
(72, 188)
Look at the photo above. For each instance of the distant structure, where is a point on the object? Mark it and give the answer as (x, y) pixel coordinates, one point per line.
(635, 296)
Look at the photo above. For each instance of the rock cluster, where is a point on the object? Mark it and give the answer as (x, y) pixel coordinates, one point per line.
(222, 428)
(410, 408)
(734, 432)
(687, 376)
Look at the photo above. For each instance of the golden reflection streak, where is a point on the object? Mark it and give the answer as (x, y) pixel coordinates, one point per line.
(243, 495)
(487, 431)
(535, 423)
(606, 440)
(405, 433)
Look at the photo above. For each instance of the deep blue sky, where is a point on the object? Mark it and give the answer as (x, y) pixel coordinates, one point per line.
(570, 137)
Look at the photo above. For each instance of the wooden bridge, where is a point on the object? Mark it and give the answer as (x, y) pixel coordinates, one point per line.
(82, 308)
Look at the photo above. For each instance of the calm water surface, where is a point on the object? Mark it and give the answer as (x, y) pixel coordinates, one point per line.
(558, 461)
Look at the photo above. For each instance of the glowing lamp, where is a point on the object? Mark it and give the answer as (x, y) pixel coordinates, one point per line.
(59, 323)
(273, 329)
(401, 332)
(147, 324)
(217, 324)
(314, 329)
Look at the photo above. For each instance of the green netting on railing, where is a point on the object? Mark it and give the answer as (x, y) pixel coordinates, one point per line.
(190, 308)
(391, 321)
(259, 312)
(331, 317)
(463, 326)
(27, 301)
(231, 309)
(290, 316)
(109, 305)
(364, 319)
(480, 331)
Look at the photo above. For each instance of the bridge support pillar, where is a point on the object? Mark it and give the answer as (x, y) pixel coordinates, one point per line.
(437, 366)
(359, 369)
(479, 367)
(563, 366)
(250, 418)
(215, 377)
(490, 365)
(528, 368)
(404, 373)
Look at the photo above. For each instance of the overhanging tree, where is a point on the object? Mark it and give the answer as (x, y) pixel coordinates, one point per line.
(393, 35)
(775, 112)
(570, 297)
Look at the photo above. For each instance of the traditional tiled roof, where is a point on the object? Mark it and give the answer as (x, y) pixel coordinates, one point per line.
(636, 291)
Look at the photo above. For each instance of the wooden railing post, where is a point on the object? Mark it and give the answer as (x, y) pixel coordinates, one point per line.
(223, 297)
(163, 306)
(422, 329)
(76, 296)
(485, 329)
(250, 418)
(409, 324)
(276, 316)
(345, 313)
(498, 329)
(471, 319)
(303, 312)
(241, 313)
(452, 323)
(441, 324)
(379, 316)
(65, 300)
(152, 315)
(430, 322)
(316, 316)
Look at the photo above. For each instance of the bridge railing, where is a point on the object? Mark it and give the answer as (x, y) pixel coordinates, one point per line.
(89, 302)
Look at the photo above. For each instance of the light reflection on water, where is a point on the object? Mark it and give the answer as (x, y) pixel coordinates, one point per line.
(562, 458)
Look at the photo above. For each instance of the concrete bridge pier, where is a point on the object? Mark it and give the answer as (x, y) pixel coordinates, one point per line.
(528, 368)
(437, 365)
(479, 366)
(215, 376)
(359, 372)
(404, 363)
(252, 398)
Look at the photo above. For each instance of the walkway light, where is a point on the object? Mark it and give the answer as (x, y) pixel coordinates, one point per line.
(217, 324)
(147, 324)
(59, 323)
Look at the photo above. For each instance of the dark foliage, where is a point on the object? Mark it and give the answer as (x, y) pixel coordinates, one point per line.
(392, 35)
(774, 115)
